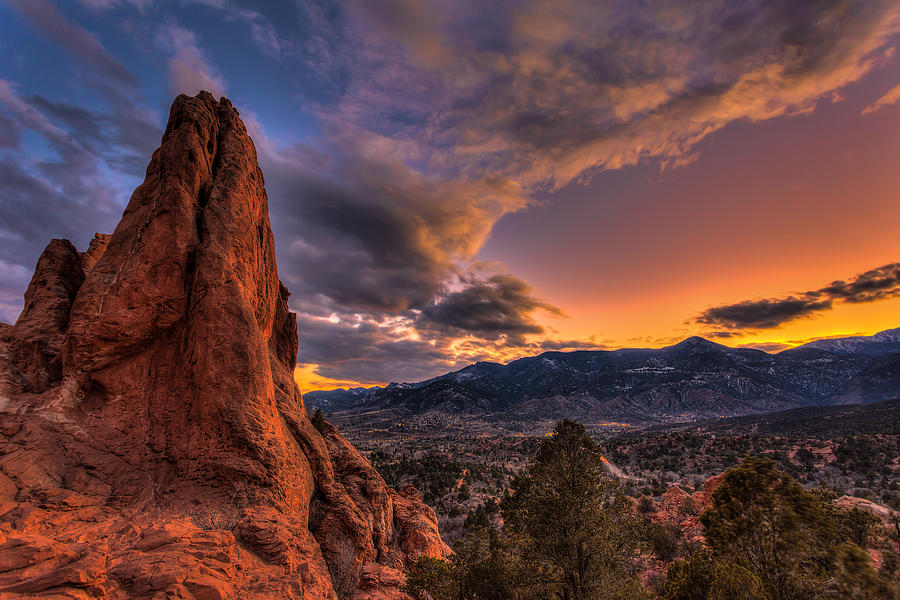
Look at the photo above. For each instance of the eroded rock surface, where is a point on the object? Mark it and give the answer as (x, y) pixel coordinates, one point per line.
(153, 443)
(35, 340)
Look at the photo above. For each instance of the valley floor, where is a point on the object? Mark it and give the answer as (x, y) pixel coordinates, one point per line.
(462, 466)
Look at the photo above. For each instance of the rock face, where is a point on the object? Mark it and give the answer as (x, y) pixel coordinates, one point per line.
(95, 251)
(35, 341)
(153, 443)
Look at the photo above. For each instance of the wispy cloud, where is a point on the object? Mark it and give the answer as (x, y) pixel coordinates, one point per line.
(100, 5)
(77, 40)
(263, 33)
(498, 308)
(889, 99)
(68, 192)
(768, 313)
(93, 156)
(549, 92)
(190, 69)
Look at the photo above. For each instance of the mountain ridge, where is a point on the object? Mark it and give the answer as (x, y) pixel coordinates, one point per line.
(694, 378)
(878, 343)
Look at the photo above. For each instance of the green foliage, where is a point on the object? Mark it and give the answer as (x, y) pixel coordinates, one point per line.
(464, 493)
(645, 505)
(318, 421)
(569, 533)
(890, 563)
(857, 526)
(734, 582)
(767, 523)
(769, 531)
(438, 477)
(703, 577)
(860, 465)
(480, 518)
(690, 579)
(664, 539)
(856, 579)
(574, 525)
(477, 519)
(483, 567)
(487, 567)
(430, 579)
(853, 525)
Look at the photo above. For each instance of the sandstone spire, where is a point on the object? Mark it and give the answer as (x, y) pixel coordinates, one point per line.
(152, 406)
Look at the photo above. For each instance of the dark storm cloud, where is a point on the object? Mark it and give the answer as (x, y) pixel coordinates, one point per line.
(367, 351)
(533, 95)
(876, 284)
(498, 307)
(51, 23)
(368, 245)
(763, 314)
(376, 236)
(722, 334)
(353, 347)
(475, 350)
(883, 282)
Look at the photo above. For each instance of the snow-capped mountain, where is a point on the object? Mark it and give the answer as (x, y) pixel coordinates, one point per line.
(885, 342)
(695, 378)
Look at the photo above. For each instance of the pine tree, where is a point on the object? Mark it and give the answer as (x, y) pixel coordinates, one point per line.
(577, 531)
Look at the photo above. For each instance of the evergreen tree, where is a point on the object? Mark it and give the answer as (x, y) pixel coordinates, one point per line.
(690, 579)
(856, 579)
(430, 579)
(767, 523)
(318, 420)
(768, 538)
(577, 531)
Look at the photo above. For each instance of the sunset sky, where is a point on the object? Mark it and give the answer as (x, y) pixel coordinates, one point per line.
(460, 181)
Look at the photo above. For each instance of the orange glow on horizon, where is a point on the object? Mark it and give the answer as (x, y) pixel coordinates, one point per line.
(308, 380)
(752, 217)
(639, 331)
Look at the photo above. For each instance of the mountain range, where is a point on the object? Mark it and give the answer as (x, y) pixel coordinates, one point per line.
(693, 379)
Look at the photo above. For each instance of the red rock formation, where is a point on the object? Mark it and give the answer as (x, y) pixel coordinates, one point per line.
(887, 530)
(163, 449)
(34, 343)
(95, 251)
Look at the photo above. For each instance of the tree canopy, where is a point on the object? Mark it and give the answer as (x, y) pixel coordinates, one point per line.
(766, 533)
(569, 532)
